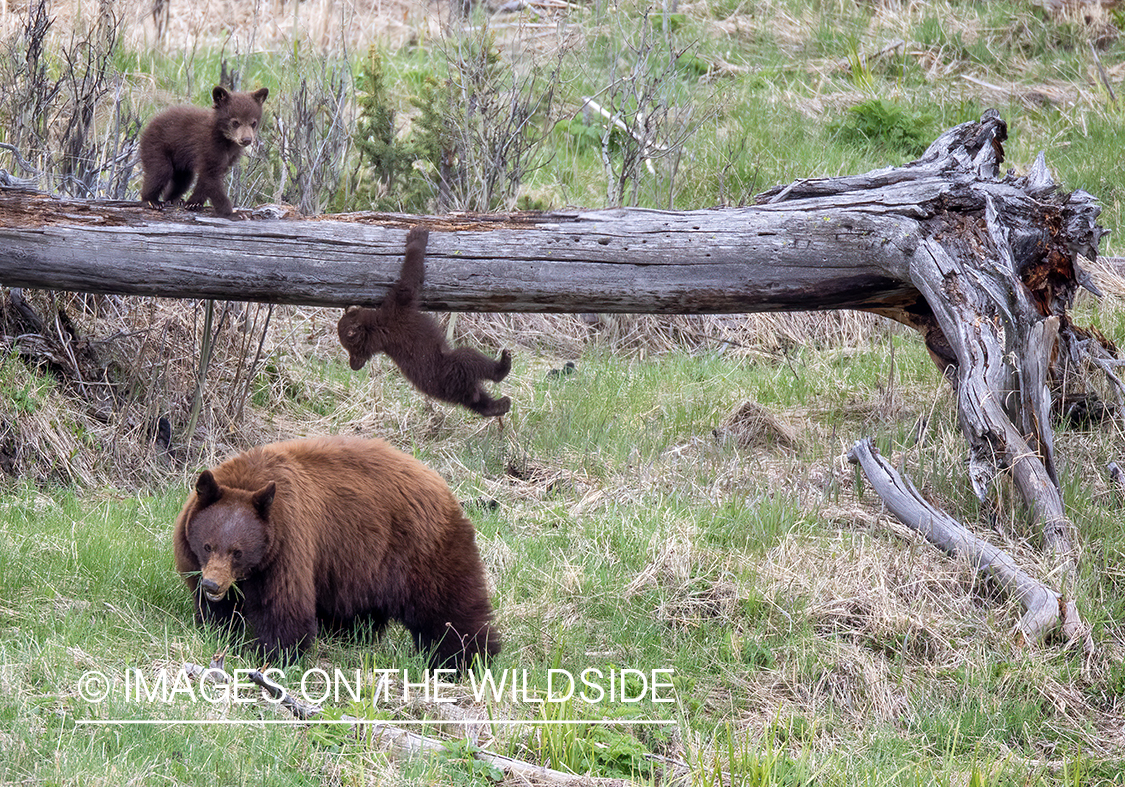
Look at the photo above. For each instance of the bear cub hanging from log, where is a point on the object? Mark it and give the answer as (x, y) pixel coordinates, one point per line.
(187, 143)
(415, 342)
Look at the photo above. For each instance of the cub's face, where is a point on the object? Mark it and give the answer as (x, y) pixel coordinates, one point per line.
(228, 533)
(239, 114)
(356, 333)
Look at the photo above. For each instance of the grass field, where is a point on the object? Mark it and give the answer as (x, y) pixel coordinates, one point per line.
(678, 510)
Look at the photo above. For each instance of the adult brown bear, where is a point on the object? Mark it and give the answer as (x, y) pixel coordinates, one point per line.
(339, 531)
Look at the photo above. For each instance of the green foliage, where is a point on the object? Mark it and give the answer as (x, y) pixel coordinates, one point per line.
(392, 182)
(596, 750)
(735, 759)
(630, 528)
(19, 389)
(472, 140)
(670, 23)
(462, 766)
(591, 137)
(886, 126)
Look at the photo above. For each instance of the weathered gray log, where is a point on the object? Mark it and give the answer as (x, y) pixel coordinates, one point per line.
(629, 260)
(997, 269)
(1045, 611)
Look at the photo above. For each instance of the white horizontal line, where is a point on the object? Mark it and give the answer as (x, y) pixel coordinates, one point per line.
(382, 722)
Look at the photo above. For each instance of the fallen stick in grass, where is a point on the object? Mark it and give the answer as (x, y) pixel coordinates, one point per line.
(1045, 612)
(400, 739)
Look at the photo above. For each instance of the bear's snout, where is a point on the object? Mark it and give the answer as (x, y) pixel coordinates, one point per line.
(212, 590)
(216, 579)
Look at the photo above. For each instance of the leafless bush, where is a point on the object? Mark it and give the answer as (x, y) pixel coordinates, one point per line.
(312, 140)
(77, 131)
(482, 127)
(26, 101)
(642, 120)
(116, 388)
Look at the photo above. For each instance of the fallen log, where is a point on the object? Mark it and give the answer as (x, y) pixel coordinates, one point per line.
(613, 261)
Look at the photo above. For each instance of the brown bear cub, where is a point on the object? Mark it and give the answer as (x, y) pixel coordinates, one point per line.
(416, 343)
(188, 143)
(339, 531)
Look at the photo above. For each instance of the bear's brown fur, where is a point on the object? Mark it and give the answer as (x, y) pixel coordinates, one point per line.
(339, 530)
(188, 142)
(416, 343)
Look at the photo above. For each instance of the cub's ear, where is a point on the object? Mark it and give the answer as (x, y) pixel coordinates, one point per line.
(219, 95)
(260, 94)
(207, 489)
(263, 500)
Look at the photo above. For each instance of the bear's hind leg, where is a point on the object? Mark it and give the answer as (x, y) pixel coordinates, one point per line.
(461, 375)
(483, 404)
(448, 647)
(158, 174)
(181, 182)
(458, 630)
(503, 366)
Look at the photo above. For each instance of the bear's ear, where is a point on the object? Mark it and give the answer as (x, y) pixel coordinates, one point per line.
(260, 95)
(219, 95)
(263, 499)
(207, 489)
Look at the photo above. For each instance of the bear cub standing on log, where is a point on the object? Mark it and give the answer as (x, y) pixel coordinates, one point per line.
(416, 343)
(341, 530)
(188, 142)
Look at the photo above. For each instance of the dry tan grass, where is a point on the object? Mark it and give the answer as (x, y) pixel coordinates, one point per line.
(90, 434)
(744, 335)
(695, 583)
(240, 27)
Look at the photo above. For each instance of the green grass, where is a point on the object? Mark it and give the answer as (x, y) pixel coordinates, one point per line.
(618, 553)
(798, 89)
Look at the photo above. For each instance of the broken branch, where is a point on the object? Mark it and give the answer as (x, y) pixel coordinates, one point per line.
(1045, 612)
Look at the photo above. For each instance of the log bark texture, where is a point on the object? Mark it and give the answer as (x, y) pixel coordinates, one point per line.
(996, 265)
(627, 260)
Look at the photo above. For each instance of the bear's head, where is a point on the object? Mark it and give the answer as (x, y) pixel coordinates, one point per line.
(359, 333)
(238, 114)
(228, 533)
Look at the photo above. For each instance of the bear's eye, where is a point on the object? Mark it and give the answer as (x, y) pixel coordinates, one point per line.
(238, 554)
(207, 548)
(254, 124)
